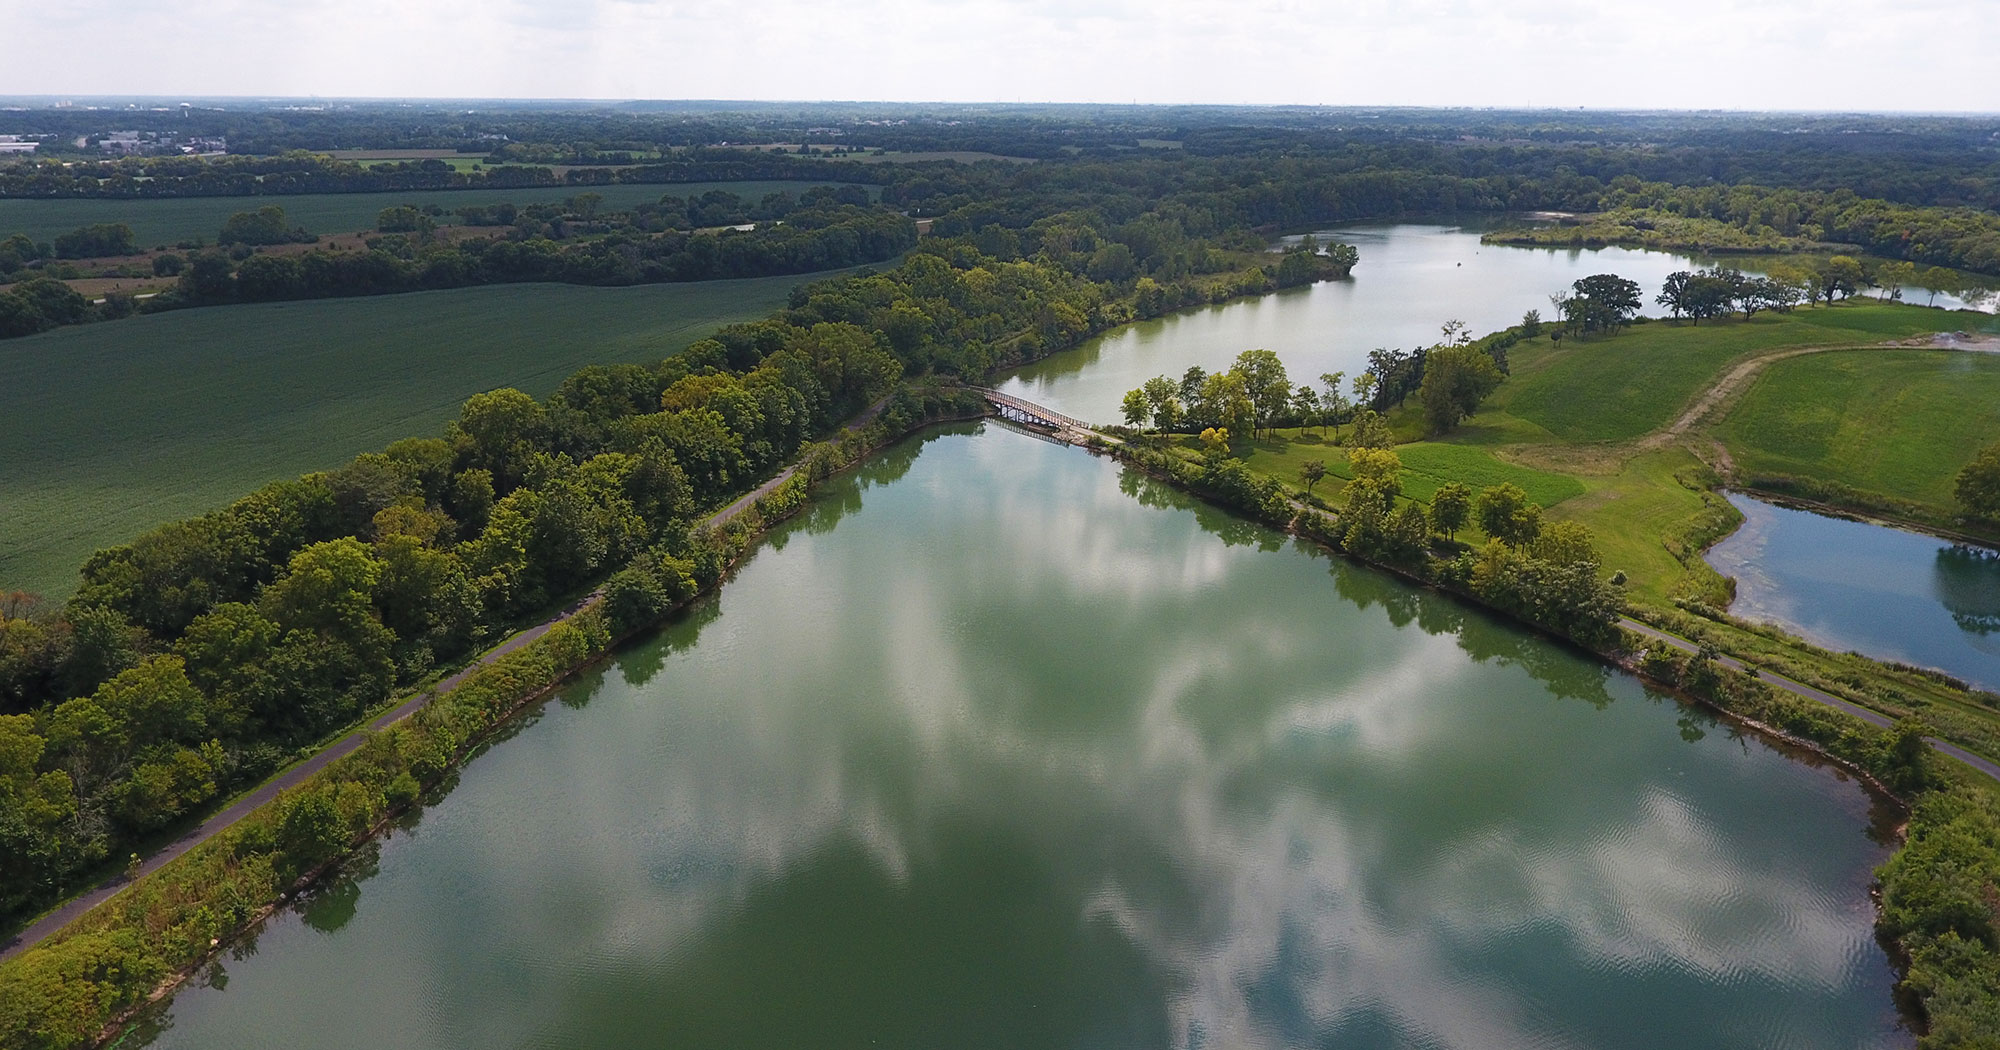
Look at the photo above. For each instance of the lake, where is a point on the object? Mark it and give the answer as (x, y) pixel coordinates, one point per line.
(1887, 593)
(1412, 278)
(999, 744)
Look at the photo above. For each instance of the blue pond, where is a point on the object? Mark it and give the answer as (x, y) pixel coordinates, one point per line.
(1890, 594)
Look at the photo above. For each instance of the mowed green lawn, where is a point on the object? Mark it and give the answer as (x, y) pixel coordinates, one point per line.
(170, 221)
(116, 427)
(1615, 388)
(1898, 423)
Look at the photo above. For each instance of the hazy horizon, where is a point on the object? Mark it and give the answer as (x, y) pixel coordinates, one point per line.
(1925, 56)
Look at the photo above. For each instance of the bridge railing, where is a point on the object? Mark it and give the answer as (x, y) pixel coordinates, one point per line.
(1027, 407)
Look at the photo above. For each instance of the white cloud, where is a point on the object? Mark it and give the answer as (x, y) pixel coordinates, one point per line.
(1867, 54)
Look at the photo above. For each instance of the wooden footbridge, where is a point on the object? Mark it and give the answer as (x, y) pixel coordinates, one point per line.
(1018, 410)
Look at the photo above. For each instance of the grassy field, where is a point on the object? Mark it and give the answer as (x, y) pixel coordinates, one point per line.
(1426, 466)
(1615, 388)
(1562, 428)
(1894, 423)
(170, 221)
(116, 427)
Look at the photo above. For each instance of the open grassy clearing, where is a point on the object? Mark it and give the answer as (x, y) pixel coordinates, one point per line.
(114, 428)
(1618, 387)
(1895, 423)
(1426, 466)
(172, 220)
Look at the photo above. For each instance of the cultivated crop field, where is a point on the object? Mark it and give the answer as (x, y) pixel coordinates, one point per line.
(170, 221)
(1895, 423)
(113, 428)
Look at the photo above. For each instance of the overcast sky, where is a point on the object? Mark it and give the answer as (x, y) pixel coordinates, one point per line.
(1739, 54)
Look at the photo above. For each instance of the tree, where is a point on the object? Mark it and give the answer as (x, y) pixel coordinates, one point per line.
(96, 241)
(1838, 276)
(1163, 398)
(1673, 293)
(1364, 390)
(266, 225)
(1978, 485)
(1451, 506)
(1135, 408)
(1225, 400)
(1893, 275)
(1310, 472)
(1331, 402)
(1602, 302)
(1370, 430)
(1265, 384)
(1565, 543)
(1506, 514)
(1937, 279)
(1191, 381)
(1531, 324)
(1456, 380)
(1710, 294)
(403, 218)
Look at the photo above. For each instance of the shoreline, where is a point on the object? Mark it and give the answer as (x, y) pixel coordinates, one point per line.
(745, 544)
(748, 543)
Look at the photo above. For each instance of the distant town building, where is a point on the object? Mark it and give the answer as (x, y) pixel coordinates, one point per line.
(17, 144)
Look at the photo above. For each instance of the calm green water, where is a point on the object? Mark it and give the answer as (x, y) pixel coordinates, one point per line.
(999, 745)
(1411, 280)
(1891, 594)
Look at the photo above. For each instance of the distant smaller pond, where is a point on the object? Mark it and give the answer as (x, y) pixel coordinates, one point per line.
(1890, 594)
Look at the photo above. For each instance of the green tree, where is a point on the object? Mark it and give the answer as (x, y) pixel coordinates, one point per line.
(1937, 279)
(1266, 385)
(1891, 276)
(1456, 379)
(1370, 431)
(1225, 399)
(96, 241)
(403, 218)
(1135, 408)
(1602, 302)
(1451, 507)
(1838, 277)
(1565, 543)
(1310, 472)
(1978, 485)
(1163, 399)
(1673, 293)
(266, 225)
(1331, 401)
(1506, 514)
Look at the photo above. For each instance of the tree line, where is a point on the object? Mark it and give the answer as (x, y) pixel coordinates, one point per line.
(822, 238)
(300, 171)
(202, 654)
(1255, 394)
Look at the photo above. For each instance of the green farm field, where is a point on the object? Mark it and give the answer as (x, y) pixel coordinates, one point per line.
(172, 220)
(116, 427)
(1896, 423)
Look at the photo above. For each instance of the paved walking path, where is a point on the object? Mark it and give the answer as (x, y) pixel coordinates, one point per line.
(290, 778)
(1779, 681)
